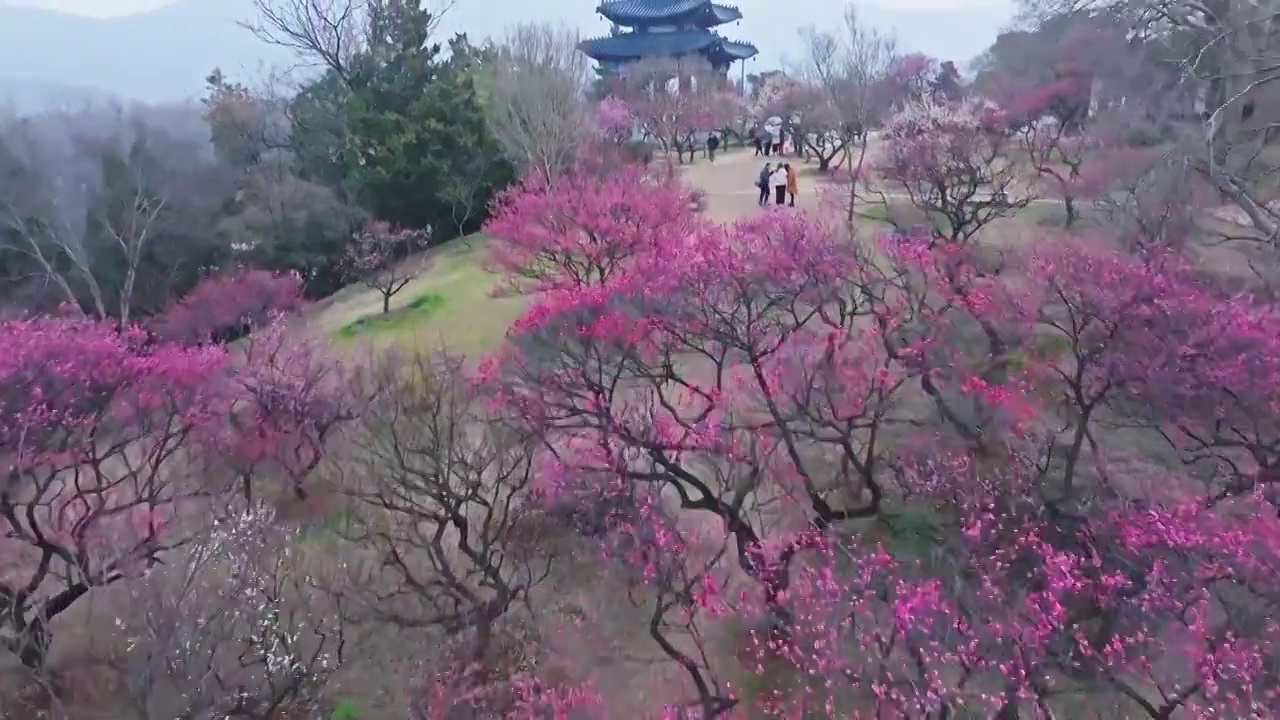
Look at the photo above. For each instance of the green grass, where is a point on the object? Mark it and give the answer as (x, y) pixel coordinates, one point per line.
(346, 709)
(909, 532)
(463, 318)
(873, 213)
(399, 319)
(329, 528)
(1047, 215)
(897, 212)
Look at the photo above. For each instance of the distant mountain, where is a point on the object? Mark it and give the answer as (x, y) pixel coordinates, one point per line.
(28, 96)
(48, 57)
(158, 56)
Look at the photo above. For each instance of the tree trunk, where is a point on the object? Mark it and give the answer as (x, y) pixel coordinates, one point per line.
(32, 646)
(1009, 707)
(386, 302)
(1073, 454)
(31, 640)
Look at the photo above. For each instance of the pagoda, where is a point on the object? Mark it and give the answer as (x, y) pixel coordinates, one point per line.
(666, 29)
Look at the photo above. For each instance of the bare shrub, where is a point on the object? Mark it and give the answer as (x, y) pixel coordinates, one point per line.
(437, 488)
(235, 626)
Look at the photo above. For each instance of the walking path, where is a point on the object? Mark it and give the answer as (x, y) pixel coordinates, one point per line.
(729, 183)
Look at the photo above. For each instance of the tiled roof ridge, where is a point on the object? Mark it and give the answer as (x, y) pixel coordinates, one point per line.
(626, 12)
(680, 42)
(640, 36)
(651, 5)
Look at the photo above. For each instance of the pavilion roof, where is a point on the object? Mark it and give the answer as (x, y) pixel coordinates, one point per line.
(639, 45)
(630, 12)
(739, 50)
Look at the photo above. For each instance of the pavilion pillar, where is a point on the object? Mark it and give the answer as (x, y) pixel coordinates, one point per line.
(686, 82)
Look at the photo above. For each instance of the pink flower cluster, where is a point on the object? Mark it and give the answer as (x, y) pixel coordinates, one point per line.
(109, 437)
(786, 383)
(221, 305)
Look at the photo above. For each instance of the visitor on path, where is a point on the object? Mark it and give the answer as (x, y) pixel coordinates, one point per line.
(780, 185)
(791, 184)
(757, 142)
(763, 182)
(713, 142)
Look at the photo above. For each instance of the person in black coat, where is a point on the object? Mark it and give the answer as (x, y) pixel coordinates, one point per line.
(762, 182)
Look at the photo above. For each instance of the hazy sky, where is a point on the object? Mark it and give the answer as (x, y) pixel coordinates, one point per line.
(109, 8)
(93, 8)
(770, 24)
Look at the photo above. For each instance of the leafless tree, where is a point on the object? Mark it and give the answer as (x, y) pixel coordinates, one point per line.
(325, 33)
(1153, 206)
(543, 45)
(252, 131)
(465, 191)
(126, 215)
(537, 108)
(273, 206)
(90, 202)
(851, 68)
(439, 490)
(1227, 56)
(232, 626)
(247, 123)
(381, 257)
(33, 221)
(331, 34)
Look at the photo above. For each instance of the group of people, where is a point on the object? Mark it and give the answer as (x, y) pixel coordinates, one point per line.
(766, 142)
(778, 181)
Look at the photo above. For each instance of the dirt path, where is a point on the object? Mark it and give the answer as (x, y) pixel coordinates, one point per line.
(729, 183)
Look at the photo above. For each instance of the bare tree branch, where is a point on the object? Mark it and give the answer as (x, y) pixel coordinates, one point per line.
(1225, 58)
(440, 489)
(331, 34)
(537, 109)
(325, 33)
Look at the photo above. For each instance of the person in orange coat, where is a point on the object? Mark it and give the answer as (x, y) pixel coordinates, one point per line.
(791, 184)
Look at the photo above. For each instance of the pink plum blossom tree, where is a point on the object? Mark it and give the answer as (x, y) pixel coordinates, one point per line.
(584, 230)
(223, 307)
(110, 444)
(908, 456)
(98, 433)
(949, 160)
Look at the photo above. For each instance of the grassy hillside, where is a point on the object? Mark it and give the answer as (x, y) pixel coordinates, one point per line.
(448, 304)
